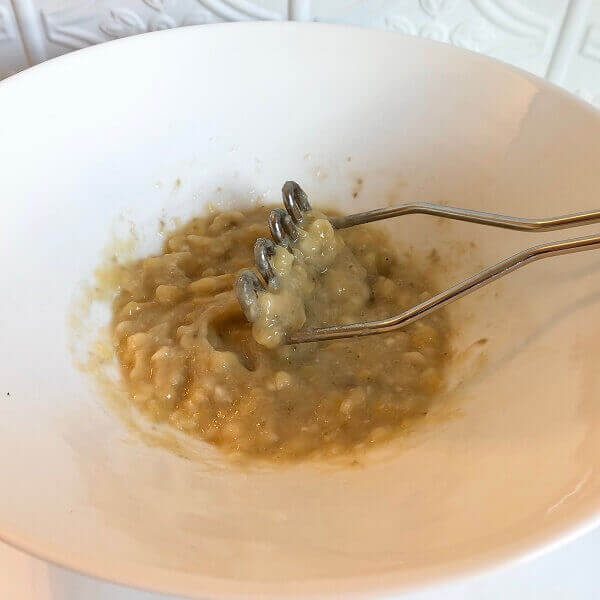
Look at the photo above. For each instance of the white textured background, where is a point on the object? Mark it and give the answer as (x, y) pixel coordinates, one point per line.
(555, 39)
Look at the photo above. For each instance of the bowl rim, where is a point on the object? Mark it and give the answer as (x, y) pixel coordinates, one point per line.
(158, 581)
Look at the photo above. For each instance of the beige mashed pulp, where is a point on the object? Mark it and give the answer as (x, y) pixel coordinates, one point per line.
(190, 358)
(319, 281)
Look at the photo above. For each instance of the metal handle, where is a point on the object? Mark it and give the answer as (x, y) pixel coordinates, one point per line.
(472, 216)
(462, 289)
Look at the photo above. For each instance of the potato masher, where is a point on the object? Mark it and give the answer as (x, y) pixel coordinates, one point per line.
(282, 224)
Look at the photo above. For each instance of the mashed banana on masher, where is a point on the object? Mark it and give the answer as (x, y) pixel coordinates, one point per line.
(318, 272)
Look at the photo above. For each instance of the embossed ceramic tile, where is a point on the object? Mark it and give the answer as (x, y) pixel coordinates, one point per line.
(558, 39)
(12, 53)
(78, 23)
(521, 32)
(583, 68)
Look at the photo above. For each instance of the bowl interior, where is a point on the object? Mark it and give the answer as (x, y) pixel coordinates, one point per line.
(103, 144)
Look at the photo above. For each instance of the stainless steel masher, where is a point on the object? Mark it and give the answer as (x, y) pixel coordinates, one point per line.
(282, 224)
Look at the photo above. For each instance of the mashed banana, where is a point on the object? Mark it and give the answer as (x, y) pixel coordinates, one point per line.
(190, 358)
(320, 275)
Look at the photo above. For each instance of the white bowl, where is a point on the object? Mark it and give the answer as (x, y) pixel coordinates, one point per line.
(507, 465)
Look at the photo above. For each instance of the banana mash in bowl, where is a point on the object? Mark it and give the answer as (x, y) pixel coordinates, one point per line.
(190, 358)
(152, 436)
